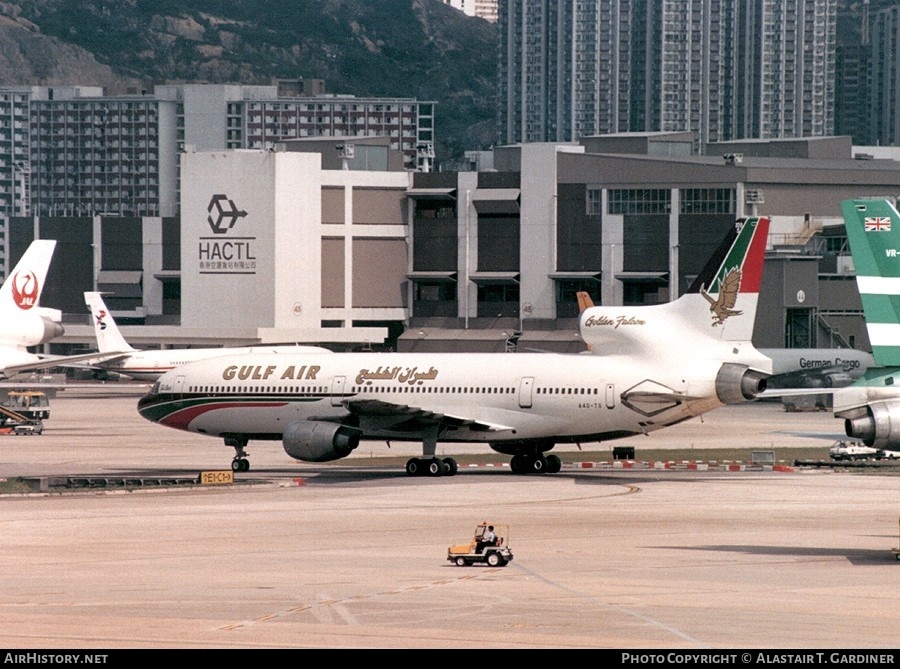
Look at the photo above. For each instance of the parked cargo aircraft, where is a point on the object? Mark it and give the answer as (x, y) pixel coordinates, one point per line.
(816, 367)
(871, 406)
(122, 358)
(23, 322)
(650, 367)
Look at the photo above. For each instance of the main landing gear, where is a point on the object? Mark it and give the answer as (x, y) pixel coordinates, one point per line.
(431, 467)
(240, 463)
(429, 464)
(536, 463)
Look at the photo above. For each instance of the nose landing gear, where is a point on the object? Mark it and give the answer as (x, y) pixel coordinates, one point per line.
(240, 463)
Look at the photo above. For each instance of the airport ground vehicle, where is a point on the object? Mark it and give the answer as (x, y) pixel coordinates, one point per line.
(853, 450)
(12, 422)
(896, 552)
(32, 404)
(496, 553)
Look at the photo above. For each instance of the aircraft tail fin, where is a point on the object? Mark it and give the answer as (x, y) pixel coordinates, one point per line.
(873, 230)
(719, 306)
(109, 338)
(23, 287)
(727, 289)
(584, 301)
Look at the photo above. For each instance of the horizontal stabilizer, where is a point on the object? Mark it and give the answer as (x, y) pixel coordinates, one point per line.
(775, 393)
(50, 361)
(648, 397)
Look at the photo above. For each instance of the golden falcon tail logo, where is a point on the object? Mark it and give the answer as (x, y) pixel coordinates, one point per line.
(723, 306)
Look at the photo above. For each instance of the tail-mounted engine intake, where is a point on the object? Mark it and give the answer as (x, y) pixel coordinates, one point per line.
(878, 427)
(318, 442)
(52, 330)
(736, 384)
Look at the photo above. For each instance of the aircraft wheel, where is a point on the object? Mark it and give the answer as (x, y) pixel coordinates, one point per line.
(413, 467)
(460, 562)
(452, 465)
(494, 559)
(236, 465)
(517, 464)
(554, 464)
(539, 465)
(435, 467)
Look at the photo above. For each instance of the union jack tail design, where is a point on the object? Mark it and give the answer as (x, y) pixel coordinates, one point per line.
(877, 264)
(878, 224)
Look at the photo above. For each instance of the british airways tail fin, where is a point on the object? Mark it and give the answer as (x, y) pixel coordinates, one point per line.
(873, 230)
(22, 289)
(109, 338)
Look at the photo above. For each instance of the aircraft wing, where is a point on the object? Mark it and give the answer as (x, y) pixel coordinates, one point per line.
(48, 361)
(378, 414)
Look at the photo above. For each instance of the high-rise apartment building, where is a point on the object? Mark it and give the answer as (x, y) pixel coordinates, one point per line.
(723, 69)
(884, 78)
(483, 9)
(73, 151)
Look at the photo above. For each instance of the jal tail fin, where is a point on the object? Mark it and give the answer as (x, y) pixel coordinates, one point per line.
(109, 338)
(873, 230)
(22, 289)
(725, 294)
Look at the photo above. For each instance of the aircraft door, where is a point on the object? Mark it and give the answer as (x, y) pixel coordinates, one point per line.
(610, 396)
(178, 386)
(526, 386)
(337, 390)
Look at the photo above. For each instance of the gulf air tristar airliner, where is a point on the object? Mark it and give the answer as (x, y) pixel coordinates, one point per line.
(649, 367)
(23, 322)
(122, 358)
(871, 406)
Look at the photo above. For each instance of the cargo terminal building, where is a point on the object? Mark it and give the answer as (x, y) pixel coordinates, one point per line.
(309, 243)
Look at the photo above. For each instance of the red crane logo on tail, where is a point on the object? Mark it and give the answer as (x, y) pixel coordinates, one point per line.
(25, 290)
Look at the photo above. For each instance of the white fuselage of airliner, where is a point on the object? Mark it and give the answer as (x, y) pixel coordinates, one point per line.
(530, 395)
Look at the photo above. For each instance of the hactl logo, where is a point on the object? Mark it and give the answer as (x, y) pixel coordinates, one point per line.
(231, 255)
(25, 290)
(222, 219)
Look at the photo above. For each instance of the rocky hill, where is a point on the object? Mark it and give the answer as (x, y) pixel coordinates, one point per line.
(406, 48)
